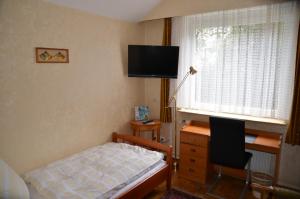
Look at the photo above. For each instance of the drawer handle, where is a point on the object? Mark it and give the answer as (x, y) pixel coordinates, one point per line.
(192, 160)
(193, 150)
(191, 170)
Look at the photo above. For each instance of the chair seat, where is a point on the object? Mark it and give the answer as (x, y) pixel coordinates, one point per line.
(235, 163)
(248, 155)
(243, 163)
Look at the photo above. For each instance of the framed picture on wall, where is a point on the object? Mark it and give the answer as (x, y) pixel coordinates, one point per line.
(51, 55)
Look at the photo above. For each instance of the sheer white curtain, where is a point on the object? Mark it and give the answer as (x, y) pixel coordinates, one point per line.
(245, 59)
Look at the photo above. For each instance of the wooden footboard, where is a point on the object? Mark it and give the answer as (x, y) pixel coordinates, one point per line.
(146, 186)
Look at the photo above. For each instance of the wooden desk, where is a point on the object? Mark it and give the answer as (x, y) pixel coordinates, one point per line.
(194, 142)
(138, 127)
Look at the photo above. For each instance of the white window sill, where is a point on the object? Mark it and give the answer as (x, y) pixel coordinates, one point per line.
(234, 116)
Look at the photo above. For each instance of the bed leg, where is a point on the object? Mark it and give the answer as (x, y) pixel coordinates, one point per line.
(170, 165)
(169, 183)
(169, 177)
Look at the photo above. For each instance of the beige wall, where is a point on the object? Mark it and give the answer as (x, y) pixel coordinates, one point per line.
(172, 8)
(153, 36)
(290, 159)
(48, 111)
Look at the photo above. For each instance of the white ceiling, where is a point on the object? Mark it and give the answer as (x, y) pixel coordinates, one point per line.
(127, 10)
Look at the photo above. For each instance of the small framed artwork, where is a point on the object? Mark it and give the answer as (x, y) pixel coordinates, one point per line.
(51, 55)
(141, 113)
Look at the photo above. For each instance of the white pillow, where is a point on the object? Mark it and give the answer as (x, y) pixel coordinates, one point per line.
(11, 184)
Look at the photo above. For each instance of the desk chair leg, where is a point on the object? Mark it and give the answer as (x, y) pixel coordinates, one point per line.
(214, 184)
(247, 183)
(249, 176)
(248, 180)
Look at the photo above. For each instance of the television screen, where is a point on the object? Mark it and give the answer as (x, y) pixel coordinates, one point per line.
(153, 61)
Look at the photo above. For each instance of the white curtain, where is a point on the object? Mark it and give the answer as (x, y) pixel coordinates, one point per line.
(245, 59)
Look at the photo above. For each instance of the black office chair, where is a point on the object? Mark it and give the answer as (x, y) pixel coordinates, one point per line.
(227, 147)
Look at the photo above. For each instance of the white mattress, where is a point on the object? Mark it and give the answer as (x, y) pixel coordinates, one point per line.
(95, 173)
(35, 195)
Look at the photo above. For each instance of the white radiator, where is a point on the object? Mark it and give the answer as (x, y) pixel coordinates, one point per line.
(263, 162)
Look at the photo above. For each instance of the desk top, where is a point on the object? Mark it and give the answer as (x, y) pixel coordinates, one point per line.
(265, 141)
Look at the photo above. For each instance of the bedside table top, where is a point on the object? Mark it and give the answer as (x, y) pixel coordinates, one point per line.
(140, 123)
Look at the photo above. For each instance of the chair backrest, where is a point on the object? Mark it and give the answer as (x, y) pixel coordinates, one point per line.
(227, 142)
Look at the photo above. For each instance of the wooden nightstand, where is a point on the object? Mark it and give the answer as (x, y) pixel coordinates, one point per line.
(138, 127)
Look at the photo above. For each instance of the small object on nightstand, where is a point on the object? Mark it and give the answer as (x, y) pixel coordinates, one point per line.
(147, 121)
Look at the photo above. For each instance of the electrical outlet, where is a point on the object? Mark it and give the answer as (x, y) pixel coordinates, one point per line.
(163, 139)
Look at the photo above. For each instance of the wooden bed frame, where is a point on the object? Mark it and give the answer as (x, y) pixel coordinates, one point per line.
(147, 185)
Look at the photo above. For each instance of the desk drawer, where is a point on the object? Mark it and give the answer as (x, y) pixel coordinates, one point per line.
(193, 151)
(193, 162)
(199, 140)
(194, 174)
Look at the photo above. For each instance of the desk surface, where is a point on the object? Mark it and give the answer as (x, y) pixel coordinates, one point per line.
(265, 141)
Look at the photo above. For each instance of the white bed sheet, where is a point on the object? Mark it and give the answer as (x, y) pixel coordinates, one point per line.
(35, 195)
(97, 172)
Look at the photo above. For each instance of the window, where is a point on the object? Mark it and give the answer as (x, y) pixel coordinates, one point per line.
(245, 60)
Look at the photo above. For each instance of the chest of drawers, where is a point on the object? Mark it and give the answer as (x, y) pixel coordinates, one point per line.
(194, 157)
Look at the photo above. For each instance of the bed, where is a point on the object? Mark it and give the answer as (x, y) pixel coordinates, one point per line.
(127, 167)
(164, 174)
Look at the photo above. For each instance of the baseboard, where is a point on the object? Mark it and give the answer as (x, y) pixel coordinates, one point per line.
(289, 186)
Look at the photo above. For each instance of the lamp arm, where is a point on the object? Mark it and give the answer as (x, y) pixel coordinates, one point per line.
(173, 97)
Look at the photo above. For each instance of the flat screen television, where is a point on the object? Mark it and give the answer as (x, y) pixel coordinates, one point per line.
(153, 61)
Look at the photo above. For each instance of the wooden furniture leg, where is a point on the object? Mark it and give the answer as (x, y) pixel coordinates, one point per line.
(152, 134)
(277, 163)
(134, 132)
